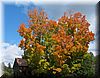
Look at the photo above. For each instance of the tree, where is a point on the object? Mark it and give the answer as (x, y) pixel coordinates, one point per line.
(87, 69)
(56, 46)
(7, 70)
(9, 65)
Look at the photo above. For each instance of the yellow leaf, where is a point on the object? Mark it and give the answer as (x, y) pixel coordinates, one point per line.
(58, 69)
(42, 52)
(54, 72)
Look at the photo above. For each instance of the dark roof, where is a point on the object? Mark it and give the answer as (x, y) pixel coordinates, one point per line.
(20, 62)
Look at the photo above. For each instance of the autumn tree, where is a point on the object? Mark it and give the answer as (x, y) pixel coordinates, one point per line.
(56, 46)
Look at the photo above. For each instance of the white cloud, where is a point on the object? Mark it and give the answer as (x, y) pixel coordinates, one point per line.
(64, 1)
(93, 23)
(93, 47)
(37, 2)
(93, 28)
(9, 52)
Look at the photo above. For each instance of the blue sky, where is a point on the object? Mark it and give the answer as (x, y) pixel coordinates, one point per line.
(15, 14)
(13, 17)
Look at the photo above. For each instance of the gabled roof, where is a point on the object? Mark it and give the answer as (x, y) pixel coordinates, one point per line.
(20, 62)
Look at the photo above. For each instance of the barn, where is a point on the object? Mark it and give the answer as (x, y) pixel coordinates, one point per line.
(20, 68)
